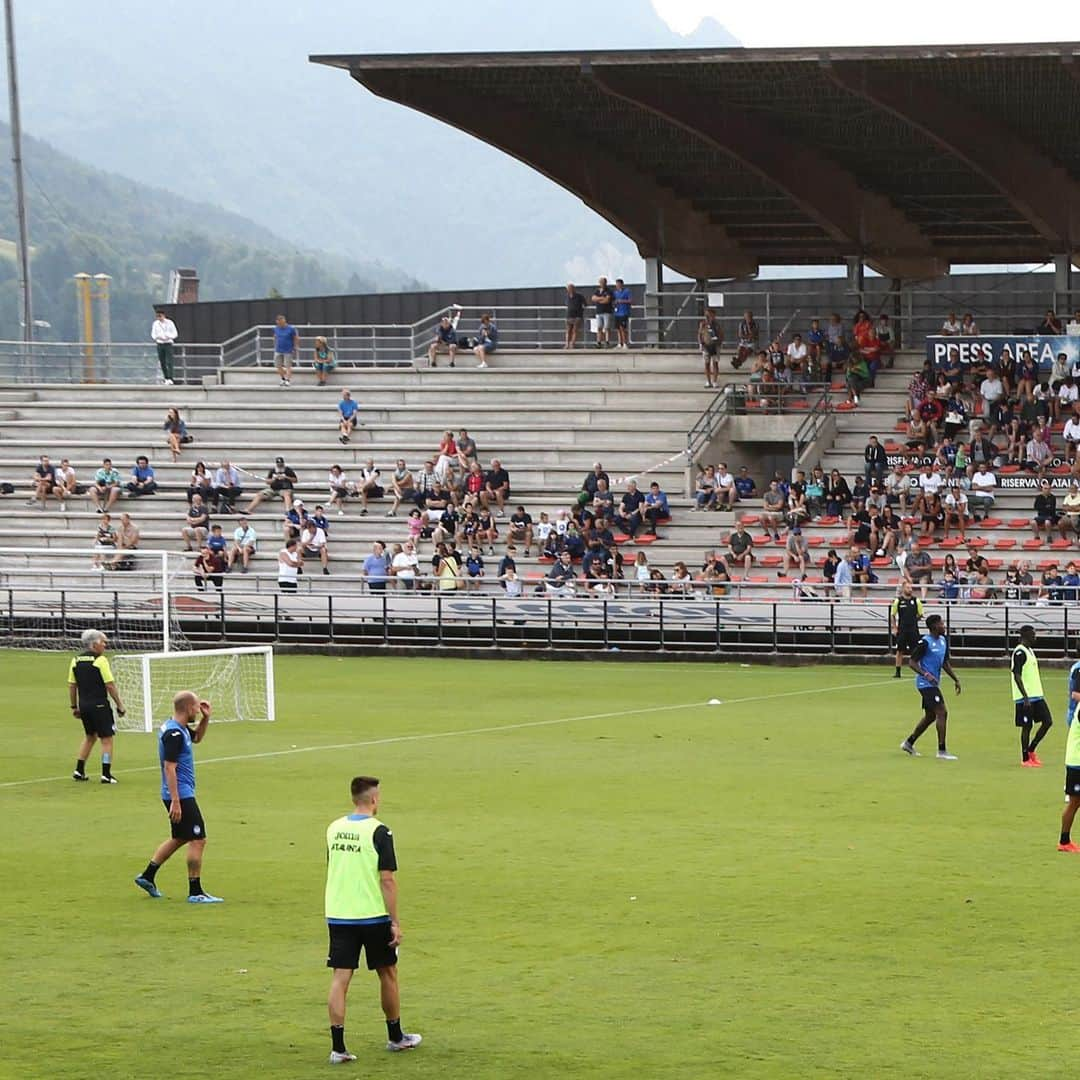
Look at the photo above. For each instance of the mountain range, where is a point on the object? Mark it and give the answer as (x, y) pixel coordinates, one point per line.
(218, 102)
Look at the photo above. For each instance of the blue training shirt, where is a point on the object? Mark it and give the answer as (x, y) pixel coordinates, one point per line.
(174, 744)
(347, 407)
(932, 660)
(284, 338)
(1074, 685)
(623, 298)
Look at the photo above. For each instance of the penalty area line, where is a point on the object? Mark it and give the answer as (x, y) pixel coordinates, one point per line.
(460, 733)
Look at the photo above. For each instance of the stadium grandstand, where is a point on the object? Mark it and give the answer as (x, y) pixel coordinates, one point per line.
(906, 161)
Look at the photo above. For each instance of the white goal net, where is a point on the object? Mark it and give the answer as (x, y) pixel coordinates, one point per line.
(238, 683)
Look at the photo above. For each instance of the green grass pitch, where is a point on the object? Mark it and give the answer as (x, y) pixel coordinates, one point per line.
(653, 888)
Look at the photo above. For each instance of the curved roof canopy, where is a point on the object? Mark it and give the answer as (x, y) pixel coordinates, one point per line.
(719, 160)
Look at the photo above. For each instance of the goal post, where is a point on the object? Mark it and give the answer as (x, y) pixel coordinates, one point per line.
(238, 683)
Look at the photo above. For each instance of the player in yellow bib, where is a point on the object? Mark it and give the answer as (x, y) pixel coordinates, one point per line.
(1027, 691)
(1072, 780)
(361, 914)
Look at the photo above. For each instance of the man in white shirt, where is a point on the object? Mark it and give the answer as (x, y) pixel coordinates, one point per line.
(991, 390)
(1071, 434)
(929, 483)
(163, 333)
(982, 490)
(951, 327)
(1067, 395)
(404, 565)
(313, 544)
(797, 353)
(369, 486)
(726, 495)
(243, 546)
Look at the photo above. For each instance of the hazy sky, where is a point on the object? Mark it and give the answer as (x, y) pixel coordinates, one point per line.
(844, 22)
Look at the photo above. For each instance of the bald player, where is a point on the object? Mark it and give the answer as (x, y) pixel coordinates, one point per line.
(177, 735)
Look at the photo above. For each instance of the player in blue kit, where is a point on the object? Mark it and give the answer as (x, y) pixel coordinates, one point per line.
(175, 740)
(928, 661)
(1074, 693)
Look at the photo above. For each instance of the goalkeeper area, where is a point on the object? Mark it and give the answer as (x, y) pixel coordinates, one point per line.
(601, 875)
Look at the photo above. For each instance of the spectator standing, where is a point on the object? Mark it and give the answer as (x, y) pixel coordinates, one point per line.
(227, 487)
(244, 545)
(623, 302)
(106, 489)
(603, 301)
(886, 341)
(290, 562)
(324, 361)
(196, 523)
(445, 340)
(710, 338)
(487, 340)
(142, 478)
(347, 416)
(377, 568)
(286, 346)
(164, 334)
(405, 566)
(575, 316)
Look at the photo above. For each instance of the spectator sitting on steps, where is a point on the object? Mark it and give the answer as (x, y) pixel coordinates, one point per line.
(589, 484)
(244, 545)
(200, 482)
(445, 341)
(196, 524)
(348, 416)
(227, 487)
(44, 481)
(487, 340)
(740, 551)
(496, 487)
(209, 567)
(176, 432)
(127, 541)
(106, 489)
(313, 544)
(279, 481)
(104, 543)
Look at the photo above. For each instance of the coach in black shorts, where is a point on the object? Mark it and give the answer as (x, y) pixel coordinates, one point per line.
(90, 685)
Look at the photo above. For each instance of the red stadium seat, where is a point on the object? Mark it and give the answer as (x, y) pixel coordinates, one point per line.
(992, 523)
(881, 563)
(646, 538)
(772, 560)
(952, 542)
(845, 406)
(750, 519)
(815, 541)
(545, 559)
(828, 520)
(1004, 544)
(621, 538)
(995, 564)
(978, 542)
(1061, 545)
(1009, 469)
(1019, 523)
(925, 541)
(1034, 544)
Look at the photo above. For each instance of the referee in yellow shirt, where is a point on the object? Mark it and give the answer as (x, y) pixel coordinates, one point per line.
(361, 914)
(90, 685)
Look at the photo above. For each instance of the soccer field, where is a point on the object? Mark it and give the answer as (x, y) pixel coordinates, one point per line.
(601, 876)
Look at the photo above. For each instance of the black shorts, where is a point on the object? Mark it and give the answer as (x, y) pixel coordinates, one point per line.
(906, 641)
(622, 321)
(191, 825)
(1072, 780)
(1039, 713)
(931, 698)
(347, 939)
(98, 720)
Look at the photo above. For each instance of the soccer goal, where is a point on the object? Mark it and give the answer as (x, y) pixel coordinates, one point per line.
(238, 683)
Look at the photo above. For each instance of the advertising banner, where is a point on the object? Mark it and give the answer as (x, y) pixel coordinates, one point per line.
(987, 348)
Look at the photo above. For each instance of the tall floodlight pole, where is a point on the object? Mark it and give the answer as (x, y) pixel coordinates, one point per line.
(20, 191)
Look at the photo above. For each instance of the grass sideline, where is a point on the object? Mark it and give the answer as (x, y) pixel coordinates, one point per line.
(768, 888)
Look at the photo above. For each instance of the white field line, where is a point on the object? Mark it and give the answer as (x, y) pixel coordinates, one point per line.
(464, 732)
